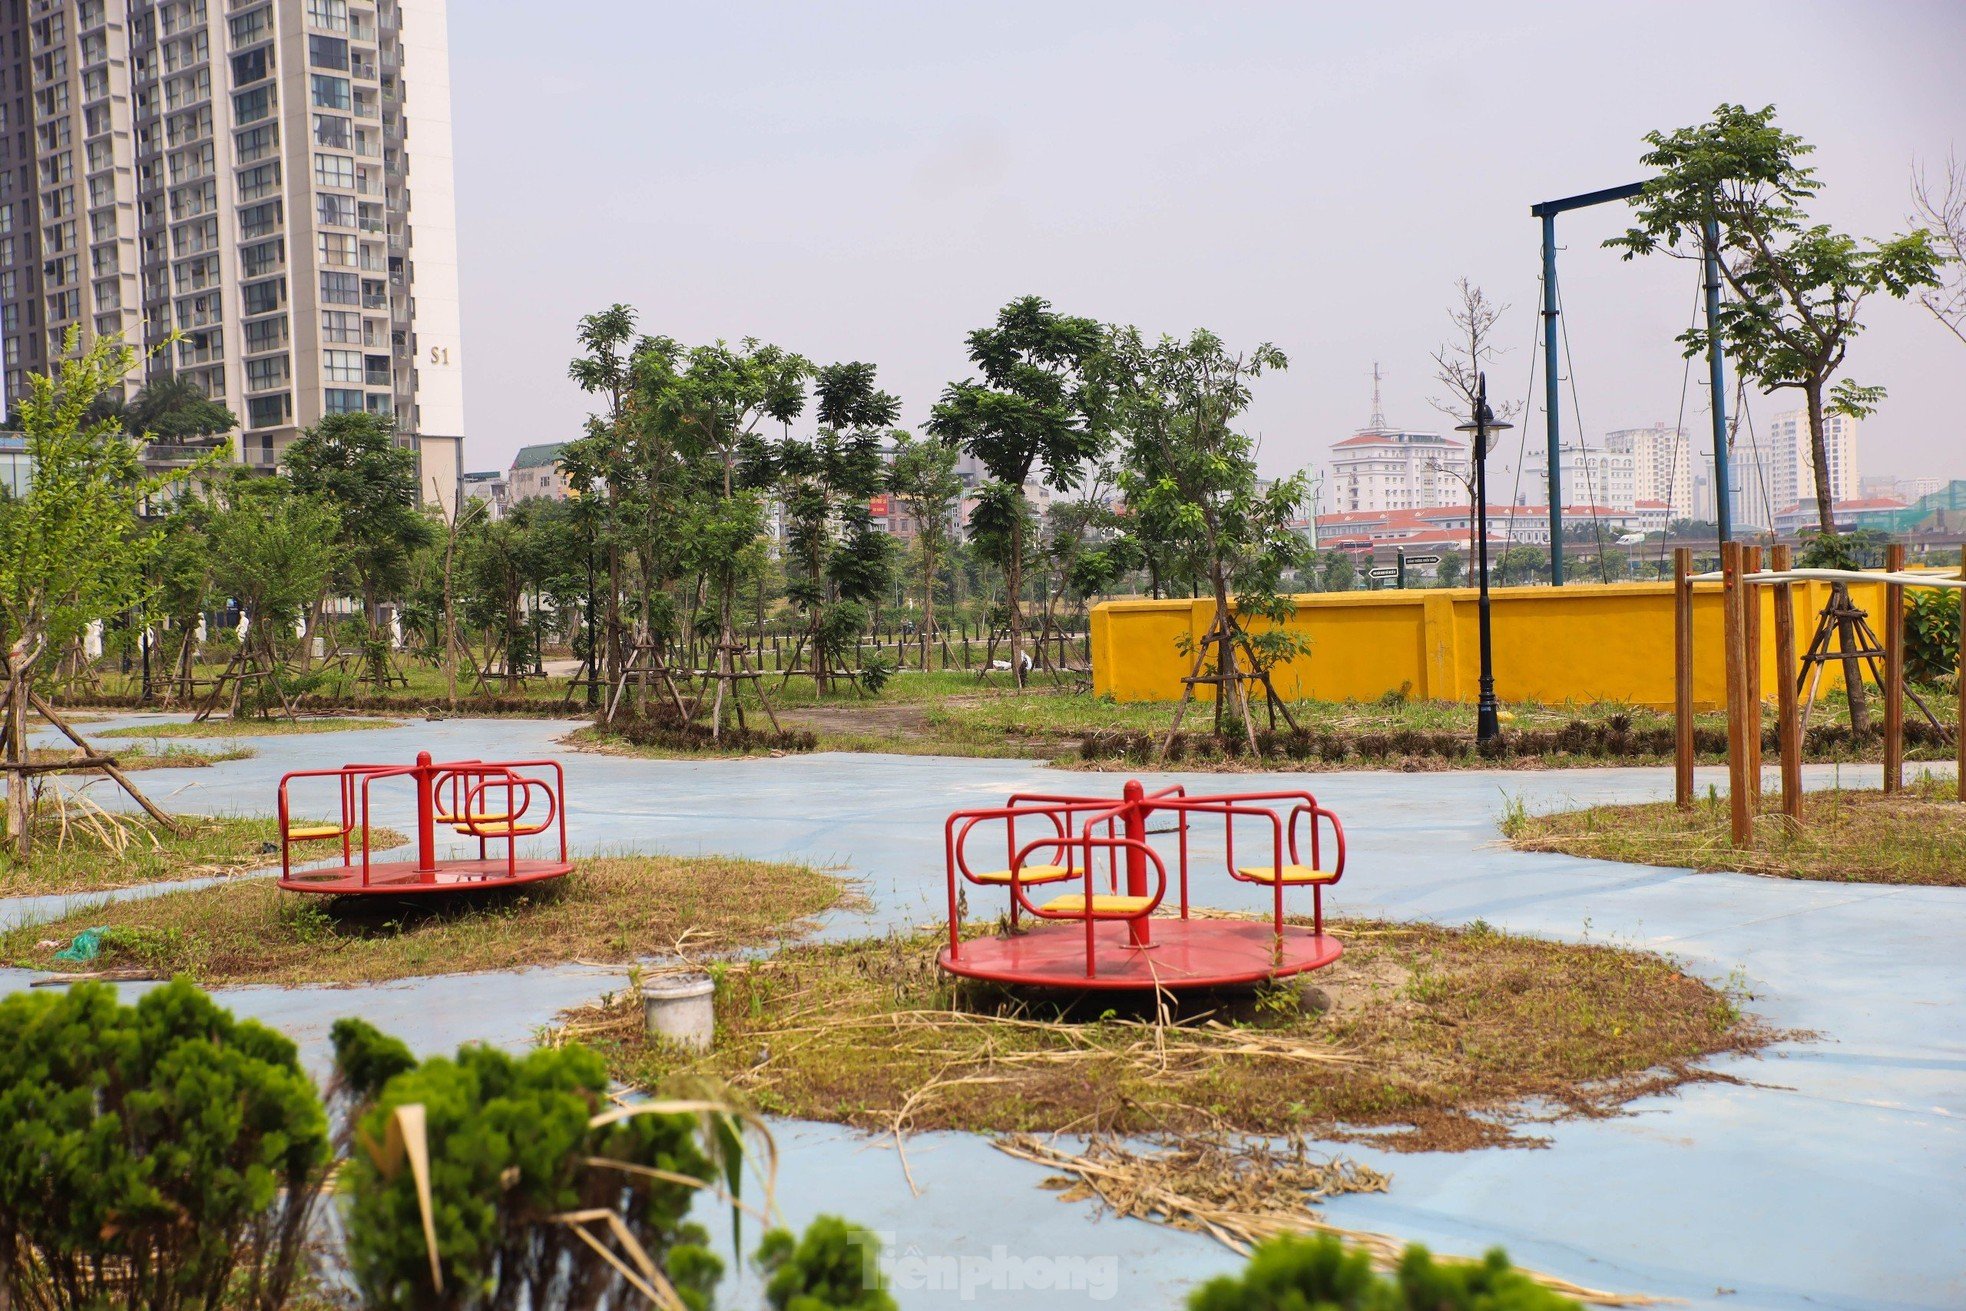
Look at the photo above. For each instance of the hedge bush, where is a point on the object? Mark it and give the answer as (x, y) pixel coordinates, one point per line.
(1311, 1274)
(156, 1156)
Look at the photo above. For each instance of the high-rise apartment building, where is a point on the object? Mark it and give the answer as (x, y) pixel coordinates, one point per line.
(269, 179)
(1662, 466)
(1600, 476)
(1792, 460)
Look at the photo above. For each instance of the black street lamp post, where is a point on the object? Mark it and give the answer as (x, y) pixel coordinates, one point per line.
(1484, 427)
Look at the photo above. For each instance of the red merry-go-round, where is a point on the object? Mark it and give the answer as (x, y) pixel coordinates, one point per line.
(1125, 936)
(498, 803)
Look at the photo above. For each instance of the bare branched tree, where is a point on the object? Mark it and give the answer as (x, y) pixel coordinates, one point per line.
(1458, 367)
(1939, 206)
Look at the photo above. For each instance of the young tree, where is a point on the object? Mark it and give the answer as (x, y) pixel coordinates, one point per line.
(841, 560)
(1041, 408)
(1940, 206)
(1187, 465)
(614, 466)
(1797, 287)
(923, 478)
(1339, 572)
(351, 462)
(177, 409)
(1459, 365)
(71, 549)
(273, 551)
(1448, 572)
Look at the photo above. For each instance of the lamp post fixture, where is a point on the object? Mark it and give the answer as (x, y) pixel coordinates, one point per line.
(1484, 427)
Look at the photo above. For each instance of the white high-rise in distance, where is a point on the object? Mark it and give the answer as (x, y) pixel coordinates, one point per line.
(269, 179)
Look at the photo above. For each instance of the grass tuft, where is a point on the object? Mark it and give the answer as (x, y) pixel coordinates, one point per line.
(1846, 836)
(612, 909)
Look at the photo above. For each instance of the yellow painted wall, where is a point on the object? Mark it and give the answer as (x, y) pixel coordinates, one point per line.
(1579, 643)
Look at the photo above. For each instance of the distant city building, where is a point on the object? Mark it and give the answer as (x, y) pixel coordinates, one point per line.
(1589, 475)
(1865, 512)
(1662, 466)
(488, 488)
(16, 469)
(1899, 487)
(269, 179)
(1792, 464)
(536, 474)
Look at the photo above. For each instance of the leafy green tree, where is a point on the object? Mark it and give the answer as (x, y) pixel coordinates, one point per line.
(156, 1156)
(1522, 564)
(176, 409)
(352, 463)
(1294, 1273)
(273, 552)
(826, 1267)
(923, 479)
(1340, 574)
(1041, 408)
(619, 469)
(1189, 467)
(1797, 287)
(71, 548)
(1451, 567)
(502, 561)
(842, 560)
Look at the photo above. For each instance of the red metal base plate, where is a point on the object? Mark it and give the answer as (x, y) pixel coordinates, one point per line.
(1184, 954)
(398, 878)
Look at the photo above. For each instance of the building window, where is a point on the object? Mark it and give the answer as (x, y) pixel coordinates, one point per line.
(268, 411)
(341, 325)
(263, 297)
(341, 289)
(377, 370)
(340, 400)
(251, 106)
(329, 14)
(337, 248)
(266, 334)
(334, 171)
(381, 405)
(251, 27)
(327, 52)
(330, 92)
(335, 211)
(258, 182)
(258, 220)
(262, 257)
(331, 131)
(253, 66)
(258, 143)
(342, 366)
(266, 374)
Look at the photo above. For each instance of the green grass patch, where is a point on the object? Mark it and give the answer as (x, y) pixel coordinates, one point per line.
(1433, 1038)
(613, 909)
(83, 849)
(247, 727)
(130, 759)
(1846, 836)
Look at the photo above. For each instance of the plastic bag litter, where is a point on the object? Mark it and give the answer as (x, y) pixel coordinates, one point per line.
(87, 945)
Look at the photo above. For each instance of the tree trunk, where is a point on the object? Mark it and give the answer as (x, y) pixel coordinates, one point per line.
(1013, 590)
(1846, 629)
(18, 812)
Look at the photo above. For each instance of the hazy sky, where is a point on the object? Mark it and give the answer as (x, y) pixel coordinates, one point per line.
(871, 181)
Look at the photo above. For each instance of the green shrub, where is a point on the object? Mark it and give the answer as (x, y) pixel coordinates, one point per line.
(830, 1268)
(510, 1149)
(156, 1156)
(1311, 1274)
(1931, 635)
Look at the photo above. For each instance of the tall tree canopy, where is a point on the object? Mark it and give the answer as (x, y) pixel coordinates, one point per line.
(1041, 409)
(1797, 286)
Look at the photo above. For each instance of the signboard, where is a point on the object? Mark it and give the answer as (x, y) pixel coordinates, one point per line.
(1422, 559)
(878, 507)
(1383, 571)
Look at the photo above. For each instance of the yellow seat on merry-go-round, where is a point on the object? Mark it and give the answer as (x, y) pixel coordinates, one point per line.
(1290, 876)
(1115, 904)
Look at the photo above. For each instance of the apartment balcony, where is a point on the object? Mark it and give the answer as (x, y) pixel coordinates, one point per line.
(166, 456)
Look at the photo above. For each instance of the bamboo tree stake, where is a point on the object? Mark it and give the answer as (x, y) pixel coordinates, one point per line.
(1894, 672)
(1682, 668)
(1788, 716)
(1742, 817)
(1751, 594)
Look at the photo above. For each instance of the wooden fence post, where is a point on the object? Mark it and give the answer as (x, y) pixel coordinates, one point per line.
(1894, 672)
(1682, 668)
(1751, 638)
(1788, 712)
(1740, 812)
